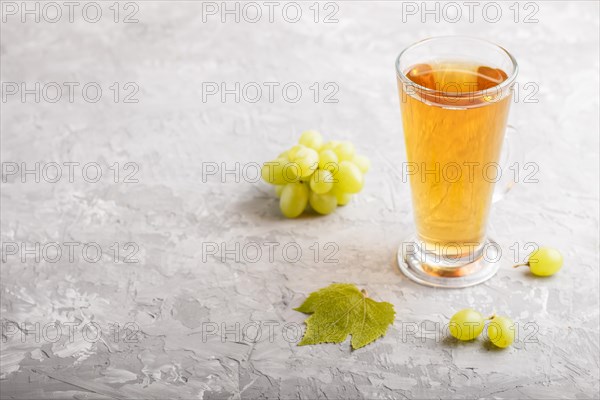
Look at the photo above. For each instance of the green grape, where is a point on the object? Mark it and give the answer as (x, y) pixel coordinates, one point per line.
(294, 198)
(312, 139)
(331, 145)
(323, 203)
(328, 160)
(345, 151)
(291, 172)
(322, 174)
(321, 181)
(501, 331)
(466, 324)
(362, 162)
(349, 178)
(284, 155)
(307, 160)
(342, 198)
(545, 261)
(279, 171)
(291, 153)
(278, 190)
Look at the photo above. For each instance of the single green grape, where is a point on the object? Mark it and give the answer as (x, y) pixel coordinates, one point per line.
(307, 159)
(342, 197)
(321, 181)
(278, 190)
(331, 145)
(501, 331)
(345, 151)
(362, 162)
(349, 178)
(466, 324)
(323, 203)
(544, 261)
(294, 198)
(280, 171)
(291, 153)
(312, 139)
(328, 160)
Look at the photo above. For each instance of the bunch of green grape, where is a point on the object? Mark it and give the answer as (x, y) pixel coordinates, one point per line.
(322, 175)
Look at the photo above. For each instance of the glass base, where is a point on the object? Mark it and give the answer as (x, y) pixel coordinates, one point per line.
(431, 269)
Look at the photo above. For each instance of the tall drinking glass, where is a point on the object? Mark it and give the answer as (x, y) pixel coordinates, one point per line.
(455, 94)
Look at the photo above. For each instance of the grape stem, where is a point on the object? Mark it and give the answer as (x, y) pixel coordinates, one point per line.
(521, 265)
(364, 293)
(491, 317)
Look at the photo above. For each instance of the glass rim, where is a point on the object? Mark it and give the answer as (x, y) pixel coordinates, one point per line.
(509, 81)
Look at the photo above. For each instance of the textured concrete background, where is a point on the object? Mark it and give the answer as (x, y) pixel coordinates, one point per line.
(180, 322)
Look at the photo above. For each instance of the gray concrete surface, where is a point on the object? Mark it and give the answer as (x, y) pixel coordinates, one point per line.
(181, 322)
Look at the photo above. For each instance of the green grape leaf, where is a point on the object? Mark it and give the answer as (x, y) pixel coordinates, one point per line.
(341, 309)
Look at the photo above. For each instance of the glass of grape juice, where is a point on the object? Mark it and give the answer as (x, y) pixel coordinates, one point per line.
(455, 94)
